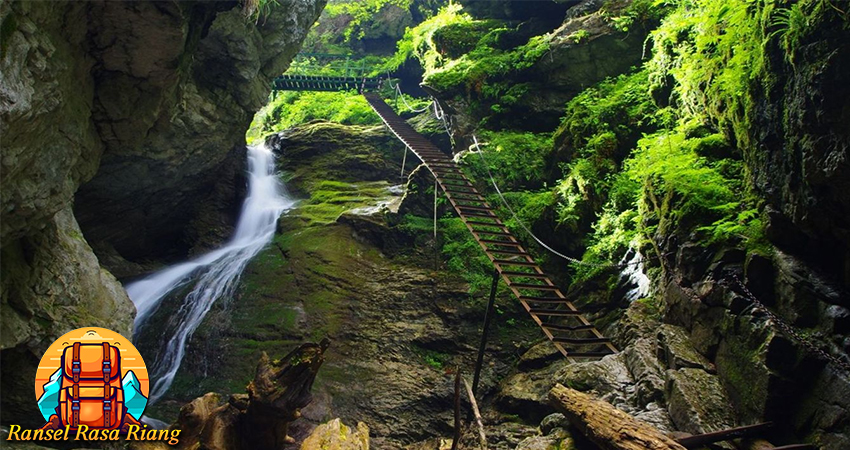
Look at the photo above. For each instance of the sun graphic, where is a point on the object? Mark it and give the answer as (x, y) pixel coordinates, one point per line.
(49, 376)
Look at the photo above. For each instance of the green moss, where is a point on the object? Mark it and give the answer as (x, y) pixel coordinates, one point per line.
(329, 199)
(288, 109)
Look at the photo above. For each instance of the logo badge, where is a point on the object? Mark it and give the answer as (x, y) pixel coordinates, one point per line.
(92, 378)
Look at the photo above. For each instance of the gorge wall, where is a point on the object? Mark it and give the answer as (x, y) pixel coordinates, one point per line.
(127, 117)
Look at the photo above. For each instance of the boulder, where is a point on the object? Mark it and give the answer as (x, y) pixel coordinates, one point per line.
(676, 352)
(697, 402)
(336, 436)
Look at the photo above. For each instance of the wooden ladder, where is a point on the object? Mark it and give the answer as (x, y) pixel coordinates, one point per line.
(561, 321)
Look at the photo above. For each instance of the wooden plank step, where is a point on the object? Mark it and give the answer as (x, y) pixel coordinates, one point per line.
(478, 197)
(580, 341)
(475, 214)
(453, 182)
(507, 252)
(492, 233)
(506, 243)
(553, 312)
(529, 298)
(587, 354)
(458, 191)
(560, 327)
(507, 262)
(547, 300)
(536, 287)
(475, 208)
(486, 224)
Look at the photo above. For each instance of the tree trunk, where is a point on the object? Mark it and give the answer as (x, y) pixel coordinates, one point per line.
(607, 426)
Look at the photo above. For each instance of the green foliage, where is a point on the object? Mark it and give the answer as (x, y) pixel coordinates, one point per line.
(613, 234)
(464, 256)
(580, 36)
(792, 24)
(461, 54)
(258, 9)
(687, 190)
(624, 15)
(515, 158)
(419, 41)
(713, 51)
(360, 12)
(288, 109)
(600, 129)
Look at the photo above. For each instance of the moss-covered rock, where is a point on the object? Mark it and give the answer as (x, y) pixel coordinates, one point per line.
(336, 436)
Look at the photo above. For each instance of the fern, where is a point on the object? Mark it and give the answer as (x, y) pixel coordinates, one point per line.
(792, 24)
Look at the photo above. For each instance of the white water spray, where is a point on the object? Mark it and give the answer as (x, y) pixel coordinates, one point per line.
(217, 273)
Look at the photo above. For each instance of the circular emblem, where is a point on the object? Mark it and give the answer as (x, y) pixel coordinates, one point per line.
(93, 377)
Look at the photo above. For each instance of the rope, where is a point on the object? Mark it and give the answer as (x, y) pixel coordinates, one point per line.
(789, 331)
(527, 230)
(397, 89)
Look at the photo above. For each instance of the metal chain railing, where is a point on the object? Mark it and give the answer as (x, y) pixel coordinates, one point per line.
(789, 331)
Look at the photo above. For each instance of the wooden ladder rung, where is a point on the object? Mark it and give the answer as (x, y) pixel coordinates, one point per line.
(586, 354)
(538, 287)
(580, 341)
(495, 242)
(492, 233)
(474, 214)
(507, 262)
(507, 252)
(530, 298)
(475, 208)
(560, 327)
(553, 312)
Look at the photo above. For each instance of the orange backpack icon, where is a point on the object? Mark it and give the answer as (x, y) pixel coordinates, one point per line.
(91, 392)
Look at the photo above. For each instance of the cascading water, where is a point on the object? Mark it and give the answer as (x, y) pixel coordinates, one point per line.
(633, 275)
(215, 274)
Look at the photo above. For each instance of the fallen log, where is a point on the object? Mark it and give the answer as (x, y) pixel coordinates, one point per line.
(607, 426)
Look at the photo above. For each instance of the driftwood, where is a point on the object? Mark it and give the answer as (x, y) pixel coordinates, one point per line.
(607, 426)
(456, 440)
(258, 420)
(482, 438)
(277, 394)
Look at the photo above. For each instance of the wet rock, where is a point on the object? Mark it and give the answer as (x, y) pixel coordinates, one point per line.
(176, 89)
(676, 351)
(336, 436)
(51, 284)
(538, 356)
(608, 378)
(525, 393)
(646, 371)
(553, 421)
(509, 435)
(697, 402)
(556, 438)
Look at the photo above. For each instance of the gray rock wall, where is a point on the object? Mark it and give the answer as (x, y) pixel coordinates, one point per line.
(147, 103)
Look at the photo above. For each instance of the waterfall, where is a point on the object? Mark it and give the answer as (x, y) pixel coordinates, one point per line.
(632, 275)
(215, 274)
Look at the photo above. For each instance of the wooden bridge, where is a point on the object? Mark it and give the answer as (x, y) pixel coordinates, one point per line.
(560, 320)
(325, 83)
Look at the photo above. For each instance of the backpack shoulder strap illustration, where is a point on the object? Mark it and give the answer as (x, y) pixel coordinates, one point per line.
(107, 388)
(75, 390)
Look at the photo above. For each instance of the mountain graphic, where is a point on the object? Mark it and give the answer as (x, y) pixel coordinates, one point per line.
(49, 400)
(134, 400)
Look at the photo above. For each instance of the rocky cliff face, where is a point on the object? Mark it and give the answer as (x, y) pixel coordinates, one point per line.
(180, 85)
(162, 92)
